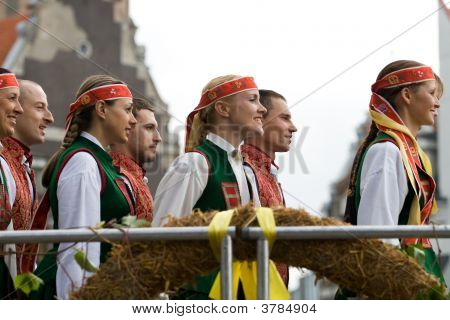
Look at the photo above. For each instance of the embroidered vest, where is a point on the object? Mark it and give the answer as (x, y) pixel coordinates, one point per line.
(5, 207)
(269, 189)
(135, 174)
(24, 206)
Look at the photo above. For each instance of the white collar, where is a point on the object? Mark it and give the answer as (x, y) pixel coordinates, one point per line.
(91, 138)
(273, 169)
(221, 143)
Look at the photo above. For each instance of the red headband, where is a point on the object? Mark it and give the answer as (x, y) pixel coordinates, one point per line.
(8, 80)
(108, 92)
(219, 92)
(404, 77)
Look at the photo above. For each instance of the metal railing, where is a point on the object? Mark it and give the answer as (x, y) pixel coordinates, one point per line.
(249, 233)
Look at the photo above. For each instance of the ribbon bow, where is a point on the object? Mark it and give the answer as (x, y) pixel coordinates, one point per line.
(244, 271)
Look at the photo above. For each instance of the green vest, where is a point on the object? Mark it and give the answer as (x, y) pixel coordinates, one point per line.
(222, 190)
(431, 263)
(221, 193)
(115, 203)
(404, 213)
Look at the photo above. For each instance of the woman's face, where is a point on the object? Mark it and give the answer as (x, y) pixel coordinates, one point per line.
(424, 105)
(247, 112)
(119, 120)
(10, 108)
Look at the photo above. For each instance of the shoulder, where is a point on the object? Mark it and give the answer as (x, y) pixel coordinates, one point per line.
(382, 157)
(79, 162)
(192, 160)
(384, 149)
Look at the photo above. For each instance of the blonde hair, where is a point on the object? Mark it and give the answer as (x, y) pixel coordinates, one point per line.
(81, 121)
(204, 119)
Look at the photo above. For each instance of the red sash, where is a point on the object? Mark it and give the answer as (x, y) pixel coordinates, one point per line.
(135, 174)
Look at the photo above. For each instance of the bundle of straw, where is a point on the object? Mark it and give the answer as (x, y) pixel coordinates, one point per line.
(368, 267)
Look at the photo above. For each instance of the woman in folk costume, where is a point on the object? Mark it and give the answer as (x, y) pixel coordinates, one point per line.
(84, 187)
(210, 175)
(391, 181)
(9, 110)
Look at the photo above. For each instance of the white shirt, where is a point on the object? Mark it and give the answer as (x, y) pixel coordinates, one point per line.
(78, 193)
(10, 260)
(183, 184)
(384, 187)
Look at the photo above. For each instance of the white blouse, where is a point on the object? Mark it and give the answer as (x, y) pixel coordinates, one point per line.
(384, 187)
(78, 193)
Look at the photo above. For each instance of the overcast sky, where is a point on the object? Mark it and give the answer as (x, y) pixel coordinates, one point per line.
(296, 48)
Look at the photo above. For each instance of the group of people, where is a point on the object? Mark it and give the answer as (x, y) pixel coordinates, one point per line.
(232, 138)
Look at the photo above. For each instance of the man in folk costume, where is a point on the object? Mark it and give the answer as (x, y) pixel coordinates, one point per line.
(391, 181)
(210, 175)
(10, 109)
(17, 161)
(140, 149)
(259, 153)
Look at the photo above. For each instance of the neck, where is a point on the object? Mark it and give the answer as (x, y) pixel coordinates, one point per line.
(409, 122)
(100, 135)
(234, 138)
(259, 143)
(14, 136)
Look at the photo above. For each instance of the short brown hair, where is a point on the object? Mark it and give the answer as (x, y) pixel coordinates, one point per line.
(266, 96)
(141, 104)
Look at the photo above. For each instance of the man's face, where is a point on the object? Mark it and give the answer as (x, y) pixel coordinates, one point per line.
(36, 117)
(144, 138)
(278, 127)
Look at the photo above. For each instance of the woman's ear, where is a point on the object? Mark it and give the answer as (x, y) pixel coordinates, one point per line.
(222, 108)
(405, 95)
(100, 109)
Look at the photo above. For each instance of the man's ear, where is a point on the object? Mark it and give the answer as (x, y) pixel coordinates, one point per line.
(100, 109)
(405, 95)
(223, 108)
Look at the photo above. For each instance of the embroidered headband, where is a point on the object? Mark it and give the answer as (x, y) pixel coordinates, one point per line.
(215, 94)
(108, 92)
(404, 77)
(8, 80)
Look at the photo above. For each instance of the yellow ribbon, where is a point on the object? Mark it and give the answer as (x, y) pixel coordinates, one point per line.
(244, 271)
(385, 121)
(218, 229)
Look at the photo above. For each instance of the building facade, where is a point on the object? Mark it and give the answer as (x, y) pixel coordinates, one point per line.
(58, 43)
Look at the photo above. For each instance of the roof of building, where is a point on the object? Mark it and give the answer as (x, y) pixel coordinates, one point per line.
(8, 35)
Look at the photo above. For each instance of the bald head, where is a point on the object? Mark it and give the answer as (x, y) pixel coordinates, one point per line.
(31, 125)
(26, 88)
